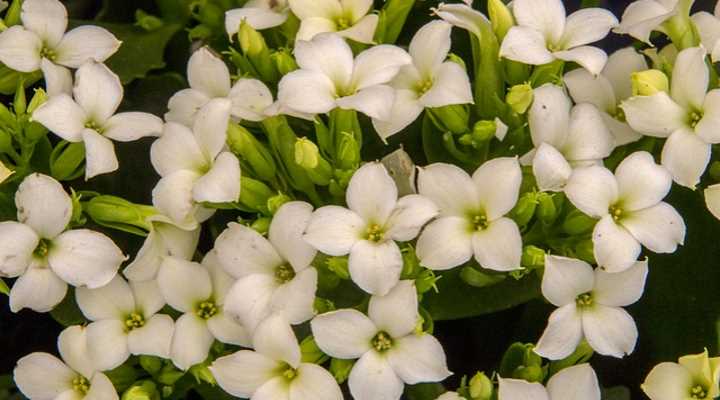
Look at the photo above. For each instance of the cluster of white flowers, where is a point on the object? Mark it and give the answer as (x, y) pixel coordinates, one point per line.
(257, 289)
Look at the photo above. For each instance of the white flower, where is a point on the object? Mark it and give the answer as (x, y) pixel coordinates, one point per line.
(376, 218)
(630, 208)
(125, 322)
(349, 18)
(273, 276)
(463, 16)
(42, 376)
(692, 377)
(391, 354)
(89, 117)
(564, 136)
(642, 17)
(198, 291)
(712, 199)
(274, 371)
(329, 77)
(41, 42)
(194, 167)
(45, 256)
(164, 239)
(472, 216)
(688, 116)
(429, 81)
(209, 79)
(590, 306)
(543, 34)
(708, 26)
(578, 382)
(260, 14)
(606, 90)
(450, 396)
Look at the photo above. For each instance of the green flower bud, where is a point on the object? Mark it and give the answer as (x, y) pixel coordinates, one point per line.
(546, 210)
(476, 278)
(577, 223)
(500, 17)
(147, 390)
(649, 82)
(274, 203)
(411, 264)
(453, 118)
(338, 265)
(20, 102)
(520, 97)
(425, 281)
(8, 120)
(244, 144)
(150, 364)
(38, 99)
(310, 351)
(484, 131)
(322, 306)
(77, 217)
(348, 151)
(147, 21)
(525, 208)
(261, 225)
(256, 50)
(202, 373)
(340, 369)
(67, 161)
(306, 153)
(12, 16)
(255, 194)
(533, 257)
(5, 172)
(34, 132)
(531, 373)
(481, 387)
(284, 61)
(118, 213)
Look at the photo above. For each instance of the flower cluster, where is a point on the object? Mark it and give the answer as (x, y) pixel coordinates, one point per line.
(284, 259)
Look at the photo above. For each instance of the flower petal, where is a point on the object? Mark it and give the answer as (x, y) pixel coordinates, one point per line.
(615, 248)
(660, 228)
(621, 131)
(154, 338)
(191, 341)
(641, 182)
(642, 17)
(295, 299)
(655, 115)
(20, 49)
(62, 116)
(445, 243)
(430, 46)
(690, 78)
(101, 388)
(243, 251)
(499, 246)
(372, 377)
(521, 389)
(620, 289)
(686, 156)
(82, 257)
(406, 108)
(525, 45)
(587, 26)
(372, 193)
(131, 126)
(709, 126)
(314, 382)
(172, 196)
(274, 338)
(562, 335)
(576, 382)
(227, 330)
(210, 126)
(374, 101)
(586, 88)
(176, 150)
(550, 168)
(286, 231)
(38, 289)
(250, 98)
(418, 358)
(43, 205)
(112, 301)
(396, 312)
(42, 376)
(275, 389)
(222, 183)
(249, 300)
(375, 267)
(313, 26)
(565, 279)
(592, 190)
(183, 283)
(591, 58)
(257, 17)
(100, 155)
(17, 243)
(451, 85)
(411, 213)
(184, 105)
(98, 91)
(610, 331)
(315, 8)
(87, 42)
(334, 230)
(72, 346)
(498, 185)
(588, 137)
(58, 79)
(462, 16)
(544, 16)
(208, 73)
(667, 381)
(243, 372)
(312, 55)
(344, 334)
(307, 91)
(549, 116)
(107, 343)
(378, 65)
(449, 187)
(619, 68)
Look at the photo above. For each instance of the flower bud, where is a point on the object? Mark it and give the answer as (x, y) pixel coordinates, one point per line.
(340, 369)
(244, 144)
(481, 387)
(38, 99)
(546, 209)
(34, 131)
(338, 265)
(520, 97)
(284, 61)
(525, 208)
(322, 306)
(255, 194)
(306, 153)
(261, 225)
(5, 172)
(146, 390)
(12, 16)
(20, 102)
(577, 223)
(452, 118)
(649, 82)
(256, 50)
(310, 351)
(425, 281)
(150, 364)
(533, 257)
(500, 17)
(348, 151)
(532, 373)
(202, 373)
(8, 121)
(118, 213)
(484, 131)
(67, 161)
(274, 203)
(411, 264)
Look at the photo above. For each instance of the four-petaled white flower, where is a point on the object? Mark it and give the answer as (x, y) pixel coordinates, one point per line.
(125, 322)
(543, 34)
(429, 81)
(41, 43)
(590, 306)
(564, 137)
(689, 116)
(630, 208)
(198, 291)
(44, 255)
(608, 89)
(42, 376)
(89, 116)
(260, 14)
(376, 218)
(572, 383)
(194, 168)
(274, 370)
(641, 17)
(209, 79)
(391, 353)
(329, 77)
(472, 216)
(349, 18)
(692, 377)
(273, 276)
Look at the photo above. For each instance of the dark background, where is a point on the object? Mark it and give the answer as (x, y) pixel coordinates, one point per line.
(677, 314)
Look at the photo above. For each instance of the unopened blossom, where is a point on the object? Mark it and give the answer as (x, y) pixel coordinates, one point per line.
(708, 27)
(472, 219)
(712, 199)
(630, 210)
(368, 229)
(463, 16)
(429, 81)
(329, 77)
(124, 322)
(89, 116)
(565, 136)
(42, 43)
(198, 291)
(195, 167)
(589, 306)
(349, 18)
(274, 370)
(391, 352)
(260, 14)
(642, 17)
(42, 376)
(44, 255)
(544, 34)
(692, 377)
(5, 172)
(572, 383)
(274, 275)
(209, 79)
(688, 116)
(608, 89)
(164, 239)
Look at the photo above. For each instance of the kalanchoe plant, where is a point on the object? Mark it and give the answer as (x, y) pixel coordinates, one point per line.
(333, 179)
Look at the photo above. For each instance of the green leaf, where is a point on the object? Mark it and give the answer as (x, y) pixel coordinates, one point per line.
(456, 299)
(67, 312)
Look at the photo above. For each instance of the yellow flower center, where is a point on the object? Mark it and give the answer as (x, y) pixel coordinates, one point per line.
(374, 233)
(343, 23)
(584, 300)
(206, 310)
(42, 249)
(134, 321)
(382, 342)
(94, 126)
(616, 212)
(479, 222)
(698, 392)
(694, 117)
(284, 273)
(48, 53)
(81, 385)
